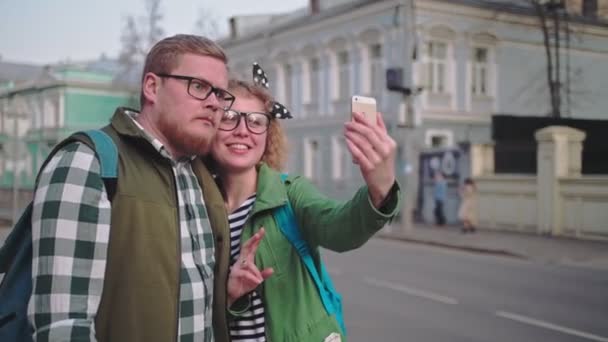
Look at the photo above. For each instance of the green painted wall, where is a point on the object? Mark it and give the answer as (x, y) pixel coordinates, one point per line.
(83, 110)
(91, 109)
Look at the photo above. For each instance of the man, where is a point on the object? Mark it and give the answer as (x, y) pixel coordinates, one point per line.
(440, 193)
(138, 266)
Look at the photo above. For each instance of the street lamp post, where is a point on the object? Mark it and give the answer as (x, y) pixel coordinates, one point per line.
(408, 119)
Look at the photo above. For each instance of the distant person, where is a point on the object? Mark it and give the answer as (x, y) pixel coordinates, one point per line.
(467, 213)
(440, 190)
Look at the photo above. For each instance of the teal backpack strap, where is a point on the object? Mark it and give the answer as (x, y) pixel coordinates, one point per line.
(107, 154)
(106, 151)
(332, 301)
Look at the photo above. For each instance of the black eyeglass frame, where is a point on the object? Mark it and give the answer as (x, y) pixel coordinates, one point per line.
(212, 89)
(245, 114)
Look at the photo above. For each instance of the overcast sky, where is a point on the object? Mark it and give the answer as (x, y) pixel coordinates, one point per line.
(48, 31)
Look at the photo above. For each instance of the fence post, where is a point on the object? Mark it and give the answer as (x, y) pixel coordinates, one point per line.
(558, 155)
(482, 159)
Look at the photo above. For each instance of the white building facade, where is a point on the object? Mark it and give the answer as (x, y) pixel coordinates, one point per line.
(464, 60)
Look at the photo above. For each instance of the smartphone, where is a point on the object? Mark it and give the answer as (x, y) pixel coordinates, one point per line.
(365, 105)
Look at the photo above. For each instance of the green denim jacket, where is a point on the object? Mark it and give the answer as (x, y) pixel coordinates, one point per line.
(293, 308)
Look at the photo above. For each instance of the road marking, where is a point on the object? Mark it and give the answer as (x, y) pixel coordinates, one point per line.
(550, 326)
(411, 291)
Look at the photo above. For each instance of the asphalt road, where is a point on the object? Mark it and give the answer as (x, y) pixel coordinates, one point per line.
(395, 291)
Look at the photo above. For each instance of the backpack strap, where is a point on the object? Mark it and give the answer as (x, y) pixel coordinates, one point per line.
(286, 220)
(106, 152)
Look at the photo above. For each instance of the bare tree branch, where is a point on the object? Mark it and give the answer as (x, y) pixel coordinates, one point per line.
(136, 39)
(547, 11)
(206, 24)
(153, 18)
(131, 43)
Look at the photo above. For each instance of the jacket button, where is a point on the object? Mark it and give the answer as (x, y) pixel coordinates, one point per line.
(219, 239)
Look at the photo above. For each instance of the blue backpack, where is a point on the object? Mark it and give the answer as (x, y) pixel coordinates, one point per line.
(332, 301)
(16, 253)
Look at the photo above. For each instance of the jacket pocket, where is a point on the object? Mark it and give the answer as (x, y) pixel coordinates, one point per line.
(279, 256)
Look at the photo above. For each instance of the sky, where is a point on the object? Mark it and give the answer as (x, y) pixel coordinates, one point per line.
(49, 31)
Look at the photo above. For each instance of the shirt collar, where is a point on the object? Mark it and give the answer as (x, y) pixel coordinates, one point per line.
(158, 145)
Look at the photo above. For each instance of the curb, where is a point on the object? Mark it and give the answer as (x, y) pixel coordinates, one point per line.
(473, 249)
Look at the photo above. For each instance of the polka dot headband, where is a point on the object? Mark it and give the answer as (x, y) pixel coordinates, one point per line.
(278, 110)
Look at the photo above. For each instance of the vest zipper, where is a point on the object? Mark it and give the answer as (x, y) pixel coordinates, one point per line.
(179, 258)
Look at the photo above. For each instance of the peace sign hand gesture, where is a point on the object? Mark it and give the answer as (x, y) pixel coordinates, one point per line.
(244, 275)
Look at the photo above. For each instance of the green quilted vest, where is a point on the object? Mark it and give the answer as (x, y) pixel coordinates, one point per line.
(141, 286)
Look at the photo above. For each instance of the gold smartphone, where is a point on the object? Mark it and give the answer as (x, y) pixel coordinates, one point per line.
(365, 105)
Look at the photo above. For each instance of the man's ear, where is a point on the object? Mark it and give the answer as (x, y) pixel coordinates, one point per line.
(149, 87)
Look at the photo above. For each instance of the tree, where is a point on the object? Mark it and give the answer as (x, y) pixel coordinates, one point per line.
(206, 24)
(550, 14)
(137, 38)
(154, 32)
(131, 43)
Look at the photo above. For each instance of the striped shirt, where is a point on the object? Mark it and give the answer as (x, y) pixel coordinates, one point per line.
(250, 325)
(70, 235)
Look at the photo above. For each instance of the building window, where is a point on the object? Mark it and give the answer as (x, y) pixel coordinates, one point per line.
(439, 138)
(50, 113)
(343, 75)
(480, 72)
(315, 81)
(437, 66)
(312, 159)
(439, 141)
(341, 159)
(376, 69)
(288, 72)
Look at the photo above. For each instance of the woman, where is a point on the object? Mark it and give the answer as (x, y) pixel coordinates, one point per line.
(246, 155)
(468, 206)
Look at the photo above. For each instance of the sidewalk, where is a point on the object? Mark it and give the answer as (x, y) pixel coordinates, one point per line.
(550, 250)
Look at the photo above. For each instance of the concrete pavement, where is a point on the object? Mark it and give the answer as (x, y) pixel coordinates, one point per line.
(545, 249)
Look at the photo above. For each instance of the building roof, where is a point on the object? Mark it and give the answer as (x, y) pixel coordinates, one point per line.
(18, 72)
(304, 18)
(104, 73)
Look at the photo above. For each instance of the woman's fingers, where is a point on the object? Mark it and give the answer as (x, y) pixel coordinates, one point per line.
(250, 247)
(267, 272)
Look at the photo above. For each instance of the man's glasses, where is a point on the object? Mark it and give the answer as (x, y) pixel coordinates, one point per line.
(201, 89)
(256, 123)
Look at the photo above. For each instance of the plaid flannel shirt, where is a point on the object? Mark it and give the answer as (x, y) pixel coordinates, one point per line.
(71, 229)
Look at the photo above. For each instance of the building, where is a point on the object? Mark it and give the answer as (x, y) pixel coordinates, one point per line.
(463, 61)
(39, 106)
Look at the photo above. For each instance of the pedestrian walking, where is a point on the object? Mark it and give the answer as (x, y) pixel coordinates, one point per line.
(467, 213)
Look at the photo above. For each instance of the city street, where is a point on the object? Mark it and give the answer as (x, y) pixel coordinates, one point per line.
(399, 291)
(395, 291)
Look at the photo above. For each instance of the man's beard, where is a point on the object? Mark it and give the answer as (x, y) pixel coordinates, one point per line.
(185, 143)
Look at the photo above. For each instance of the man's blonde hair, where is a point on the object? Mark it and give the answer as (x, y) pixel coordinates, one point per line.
(165, 55)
